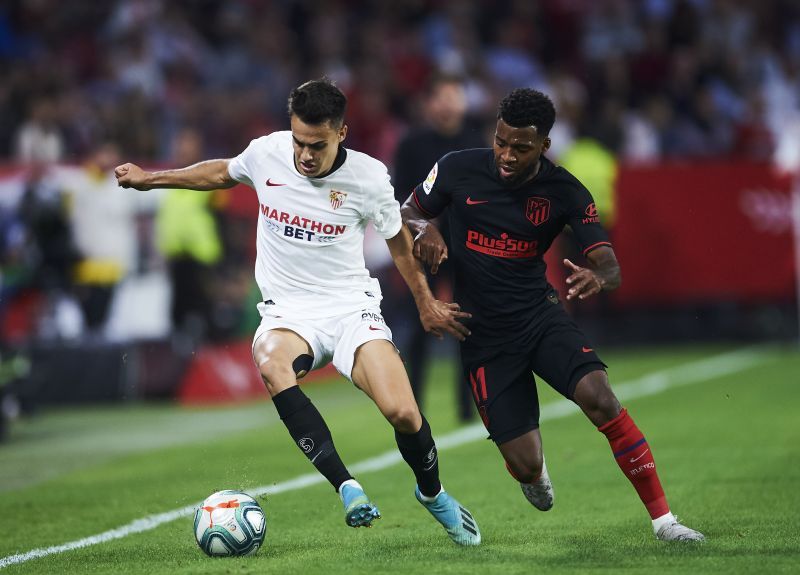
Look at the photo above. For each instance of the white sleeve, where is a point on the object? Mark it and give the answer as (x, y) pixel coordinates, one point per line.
(239, 167)
(385, 213)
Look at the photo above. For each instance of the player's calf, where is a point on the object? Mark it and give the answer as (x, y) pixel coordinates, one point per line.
(634, 457)
(419, 452)
(311, 434)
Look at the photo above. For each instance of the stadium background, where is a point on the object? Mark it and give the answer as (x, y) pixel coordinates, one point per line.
(681, 116)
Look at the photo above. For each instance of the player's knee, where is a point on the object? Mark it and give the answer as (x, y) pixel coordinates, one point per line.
(404, 417)
(277, 375)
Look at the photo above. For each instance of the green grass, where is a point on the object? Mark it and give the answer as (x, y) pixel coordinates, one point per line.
(726, 451)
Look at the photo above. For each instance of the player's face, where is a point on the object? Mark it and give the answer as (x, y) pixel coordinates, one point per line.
(517, 152)
(315, 146)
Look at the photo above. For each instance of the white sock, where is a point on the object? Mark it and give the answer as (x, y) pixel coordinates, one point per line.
(427, 499)
(658, 522)
(352, 483)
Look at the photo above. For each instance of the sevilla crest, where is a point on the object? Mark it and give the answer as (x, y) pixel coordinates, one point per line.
(337, 199)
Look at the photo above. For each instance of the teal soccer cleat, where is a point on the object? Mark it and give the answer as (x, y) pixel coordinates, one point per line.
(457, 521)
(358, 511)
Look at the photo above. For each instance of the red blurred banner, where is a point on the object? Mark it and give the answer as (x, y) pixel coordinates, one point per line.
(688, 233)
(222, 373)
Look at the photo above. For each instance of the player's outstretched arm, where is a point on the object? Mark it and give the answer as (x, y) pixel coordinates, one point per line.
(208, 175)
(429, 246)
(437, 317)
(603, 275)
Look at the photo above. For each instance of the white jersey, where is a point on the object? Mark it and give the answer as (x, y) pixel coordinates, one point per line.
(310, 238)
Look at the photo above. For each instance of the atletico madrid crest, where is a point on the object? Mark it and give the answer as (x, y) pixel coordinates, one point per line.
(538, 210)
(337, 199)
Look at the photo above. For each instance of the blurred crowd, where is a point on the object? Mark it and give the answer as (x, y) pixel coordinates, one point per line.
(87, 84)
(650, 78)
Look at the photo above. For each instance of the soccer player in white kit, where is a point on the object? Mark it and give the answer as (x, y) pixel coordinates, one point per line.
(319, 303)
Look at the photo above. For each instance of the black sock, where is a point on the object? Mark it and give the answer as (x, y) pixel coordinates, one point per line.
(419, 451)
(311, 434)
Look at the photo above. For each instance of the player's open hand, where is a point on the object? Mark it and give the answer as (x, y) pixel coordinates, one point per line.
(440, 317)
(131, 176)
(429, 247)
(582, 282)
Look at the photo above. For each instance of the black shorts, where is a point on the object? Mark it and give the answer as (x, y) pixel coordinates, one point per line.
(502, 379)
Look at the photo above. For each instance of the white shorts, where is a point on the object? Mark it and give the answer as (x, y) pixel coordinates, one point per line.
(334, 338)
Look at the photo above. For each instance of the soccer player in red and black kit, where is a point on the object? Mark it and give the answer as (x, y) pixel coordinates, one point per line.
(507, 205)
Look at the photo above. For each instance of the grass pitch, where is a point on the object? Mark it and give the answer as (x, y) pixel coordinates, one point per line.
(725, 447)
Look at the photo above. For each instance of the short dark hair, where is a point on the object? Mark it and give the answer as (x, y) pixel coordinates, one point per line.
(527, 107)
(317, 102)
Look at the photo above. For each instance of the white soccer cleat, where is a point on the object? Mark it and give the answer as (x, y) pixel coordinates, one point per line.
(540, 493)
(675, 531)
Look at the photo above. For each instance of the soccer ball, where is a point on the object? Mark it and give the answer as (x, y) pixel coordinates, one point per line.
(229, 523)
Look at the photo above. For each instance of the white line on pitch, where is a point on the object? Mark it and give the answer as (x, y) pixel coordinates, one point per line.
(650, 384)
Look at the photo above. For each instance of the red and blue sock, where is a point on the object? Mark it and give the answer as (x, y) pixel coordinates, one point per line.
(636, 461)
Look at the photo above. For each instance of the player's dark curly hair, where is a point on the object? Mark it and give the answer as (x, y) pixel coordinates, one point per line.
(317, 102)
(526, 107)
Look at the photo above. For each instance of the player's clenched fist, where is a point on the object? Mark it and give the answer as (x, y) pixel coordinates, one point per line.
(131, 176)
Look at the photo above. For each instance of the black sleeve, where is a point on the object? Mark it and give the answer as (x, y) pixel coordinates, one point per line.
(585, 221)
(433, 195)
